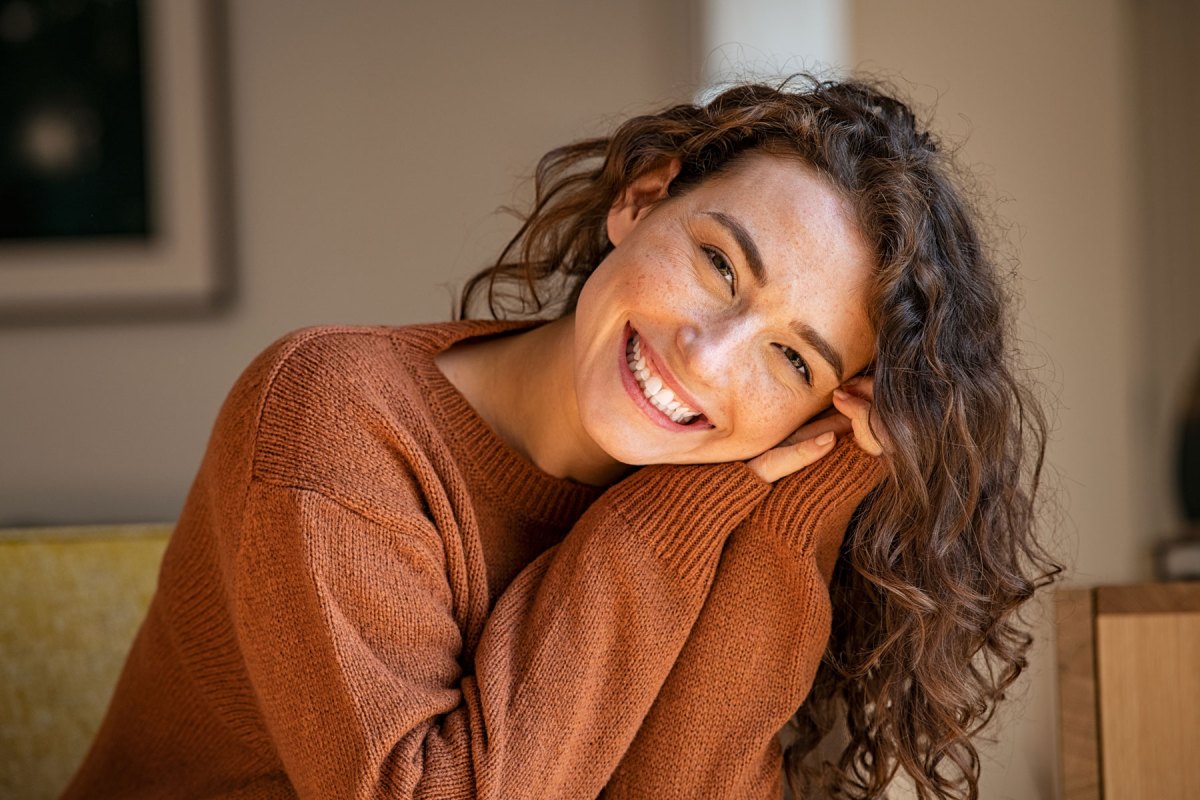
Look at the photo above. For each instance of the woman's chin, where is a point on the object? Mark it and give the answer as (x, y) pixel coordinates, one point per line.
(637, 454)
(625, 447)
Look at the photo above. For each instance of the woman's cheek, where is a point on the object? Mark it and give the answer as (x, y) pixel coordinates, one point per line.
(785, 416)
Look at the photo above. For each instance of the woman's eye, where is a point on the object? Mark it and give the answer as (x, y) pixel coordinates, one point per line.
(798, 363)
(721, 265)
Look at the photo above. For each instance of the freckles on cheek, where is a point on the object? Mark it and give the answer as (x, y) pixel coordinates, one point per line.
(757, 424)
(670, 262)
(781, 419)
(639, 284)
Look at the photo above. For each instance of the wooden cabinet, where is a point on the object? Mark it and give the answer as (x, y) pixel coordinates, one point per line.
(1129, 692)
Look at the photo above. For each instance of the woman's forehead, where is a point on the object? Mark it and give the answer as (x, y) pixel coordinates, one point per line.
(786, 206)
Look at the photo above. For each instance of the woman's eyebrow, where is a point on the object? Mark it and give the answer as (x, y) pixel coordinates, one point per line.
(745, 242)
(824, 349)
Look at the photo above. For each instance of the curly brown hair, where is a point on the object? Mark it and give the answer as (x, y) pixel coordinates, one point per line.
(942, 555)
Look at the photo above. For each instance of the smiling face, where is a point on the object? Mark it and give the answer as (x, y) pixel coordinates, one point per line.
(742, 301)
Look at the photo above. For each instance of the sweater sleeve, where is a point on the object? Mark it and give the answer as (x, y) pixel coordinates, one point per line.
(751, 658)
(350, 633)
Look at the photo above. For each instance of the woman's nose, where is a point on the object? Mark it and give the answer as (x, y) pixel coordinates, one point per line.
(715, 351)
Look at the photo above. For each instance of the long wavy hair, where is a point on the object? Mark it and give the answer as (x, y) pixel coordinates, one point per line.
(941, 556)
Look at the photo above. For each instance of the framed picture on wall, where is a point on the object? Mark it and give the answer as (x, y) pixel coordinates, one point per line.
(114, 190)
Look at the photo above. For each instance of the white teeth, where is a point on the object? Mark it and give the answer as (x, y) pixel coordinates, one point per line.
(652, 386)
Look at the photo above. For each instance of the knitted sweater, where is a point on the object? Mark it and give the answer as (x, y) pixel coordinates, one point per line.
(369, 594)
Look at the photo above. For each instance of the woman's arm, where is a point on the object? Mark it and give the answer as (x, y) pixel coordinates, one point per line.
(351, 636)
(750, 660)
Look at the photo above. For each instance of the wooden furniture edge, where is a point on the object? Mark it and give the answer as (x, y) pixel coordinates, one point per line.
(1079, 725)
(1149, 598)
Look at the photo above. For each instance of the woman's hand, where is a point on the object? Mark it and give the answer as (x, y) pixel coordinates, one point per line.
(854, 400)
(851, 412)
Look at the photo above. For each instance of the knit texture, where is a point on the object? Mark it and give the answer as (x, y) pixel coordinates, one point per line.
(369, 594)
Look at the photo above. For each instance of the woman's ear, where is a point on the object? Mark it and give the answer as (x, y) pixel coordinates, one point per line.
(639, 197)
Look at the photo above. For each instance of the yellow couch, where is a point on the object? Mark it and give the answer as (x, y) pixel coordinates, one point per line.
(71, 600)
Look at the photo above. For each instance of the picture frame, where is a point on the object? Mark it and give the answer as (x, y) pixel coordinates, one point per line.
(185, 268)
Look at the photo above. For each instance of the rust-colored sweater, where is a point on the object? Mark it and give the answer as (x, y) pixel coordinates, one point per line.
(369, 594)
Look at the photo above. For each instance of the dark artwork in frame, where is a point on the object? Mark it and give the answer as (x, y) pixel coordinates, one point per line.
(115, 161)
(74, 154)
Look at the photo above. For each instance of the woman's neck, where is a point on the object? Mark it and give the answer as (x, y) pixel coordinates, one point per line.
(523, 386)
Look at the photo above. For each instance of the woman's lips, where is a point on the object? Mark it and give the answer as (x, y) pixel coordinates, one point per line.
(635, 391)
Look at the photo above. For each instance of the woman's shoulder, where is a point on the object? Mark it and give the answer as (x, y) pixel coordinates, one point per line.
(360, 345)
(320, 382)
(308, 364)
(327, 404)
(343, 356)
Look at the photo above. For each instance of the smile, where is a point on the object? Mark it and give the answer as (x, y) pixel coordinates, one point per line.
(653, 386)
(649, 388)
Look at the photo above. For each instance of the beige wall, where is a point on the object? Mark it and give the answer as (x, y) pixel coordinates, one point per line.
(1167, 264)
(373, 142)
(1040, 94)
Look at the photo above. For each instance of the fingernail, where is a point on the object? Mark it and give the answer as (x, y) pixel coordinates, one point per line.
(840, 395)
(824, 438)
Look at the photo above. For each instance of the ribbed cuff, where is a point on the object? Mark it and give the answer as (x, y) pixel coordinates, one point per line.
(687, 512)
(801, 503)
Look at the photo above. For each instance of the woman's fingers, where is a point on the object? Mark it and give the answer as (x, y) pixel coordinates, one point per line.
(831, 420)
(861, 385)
(851, 412)
(787, 458)
(858, 410)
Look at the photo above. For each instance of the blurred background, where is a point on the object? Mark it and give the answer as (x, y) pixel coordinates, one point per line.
(360, 151)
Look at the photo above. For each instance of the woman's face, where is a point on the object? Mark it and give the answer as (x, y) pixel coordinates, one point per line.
(742, 301)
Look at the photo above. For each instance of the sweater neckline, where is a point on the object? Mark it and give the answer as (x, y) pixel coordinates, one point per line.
(511, 479)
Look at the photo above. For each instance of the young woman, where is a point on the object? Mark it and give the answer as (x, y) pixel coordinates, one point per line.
(767, 464)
